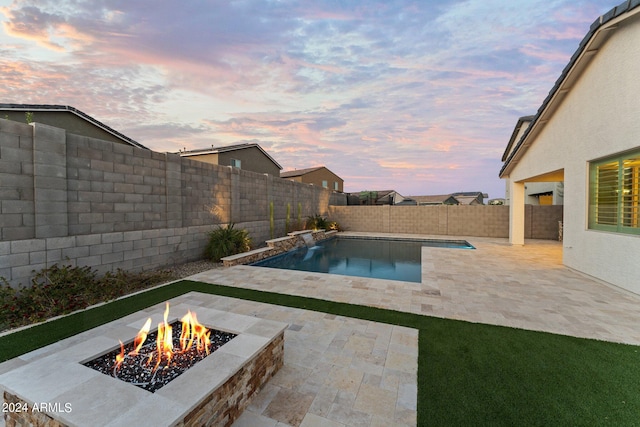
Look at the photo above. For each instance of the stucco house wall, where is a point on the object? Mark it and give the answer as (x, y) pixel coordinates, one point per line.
(251, 159)
(315, 176)
(251, 156)
(597, 118)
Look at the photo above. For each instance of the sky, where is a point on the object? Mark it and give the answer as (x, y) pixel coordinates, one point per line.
(416, 96)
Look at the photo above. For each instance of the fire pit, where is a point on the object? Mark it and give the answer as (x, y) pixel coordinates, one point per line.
(152, 360)
(61, 384)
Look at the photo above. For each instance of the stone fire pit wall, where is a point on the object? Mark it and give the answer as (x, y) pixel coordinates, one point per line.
(214, 391)
(277, 246)
(220, 408)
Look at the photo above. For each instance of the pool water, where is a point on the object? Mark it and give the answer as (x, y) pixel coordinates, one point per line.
(375, 258)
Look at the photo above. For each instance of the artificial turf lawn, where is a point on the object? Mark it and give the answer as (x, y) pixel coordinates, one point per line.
(468, 373)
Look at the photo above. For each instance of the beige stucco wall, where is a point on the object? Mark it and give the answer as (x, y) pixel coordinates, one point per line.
(252, 159)
(316, 177)
(599, 117)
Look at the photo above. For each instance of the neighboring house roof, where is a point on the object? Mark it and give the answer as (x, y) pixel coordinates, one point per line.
(300, 172)
(387, 196)
(461, 198)
(470, 194)
(34, 108)
(439, 199)
(468, 200)
(597, 35)
(227, 148)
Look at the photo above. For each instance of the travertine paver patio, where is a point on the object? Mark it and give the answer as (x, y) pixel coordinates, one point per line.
(518, 286)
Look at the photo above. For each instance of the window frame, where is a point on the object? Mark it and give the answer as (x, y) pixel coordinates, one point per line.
(626, 186)
(236, 163)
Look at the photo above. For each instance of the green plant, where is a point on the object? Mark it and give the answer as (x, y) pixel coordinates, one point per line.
(287, 221)
(272, 226)
(28, 116)
(227, 241)
(317, 222)
(62, 289)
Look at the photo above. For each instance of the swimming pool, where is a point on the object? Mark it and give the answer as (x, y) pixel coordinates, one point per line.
(394, 259)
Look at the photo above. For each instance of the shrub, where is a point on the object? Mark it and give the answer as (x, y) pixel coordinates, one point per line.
(63, 289)
(227, 241)
(318, 222)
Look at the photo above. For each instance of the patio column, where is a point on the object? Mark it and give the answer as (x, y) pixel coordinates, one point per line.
(516, 214)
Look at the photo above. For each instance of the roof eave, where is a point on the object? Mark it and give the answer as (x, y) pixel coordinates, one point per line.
(596, 36)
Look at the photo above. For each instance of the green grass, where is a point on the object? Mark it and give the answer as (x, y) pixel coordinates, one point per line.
(468, 374)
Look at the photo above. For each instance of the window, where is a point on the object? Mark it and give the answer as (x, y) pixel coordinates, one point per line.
(325, 184)
(614, 194)
(236, 163)
(335, 185)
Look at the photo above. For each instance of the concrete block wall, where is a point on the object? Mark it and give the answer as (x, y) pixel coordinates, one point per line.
(82, 201)
(481, 221)
(114, 187)
(359, 218)
(541, 222)
(128, 250)
(17, 199)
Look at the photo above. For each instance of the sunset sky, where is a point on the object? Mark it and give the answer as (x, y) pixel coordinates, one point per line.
(416, 96)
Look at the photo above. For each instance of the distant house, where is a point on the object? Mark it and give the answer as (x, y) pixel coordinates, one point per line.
(443, 199)
(383, 197)
(247, 156)
(586, 134)
(536, 193)
(68, 118)
(464, 198)
(470, 198)
(320, 176)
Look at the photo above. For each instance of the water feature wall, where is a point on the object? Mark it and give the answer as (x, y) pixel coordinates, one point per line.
(296, 239)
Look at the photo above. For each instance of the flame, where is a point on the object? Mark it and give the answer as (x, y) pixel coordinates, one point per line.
(120, 357)
(192, 331)
(141, 337)
(193, 334)
(164, 341)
